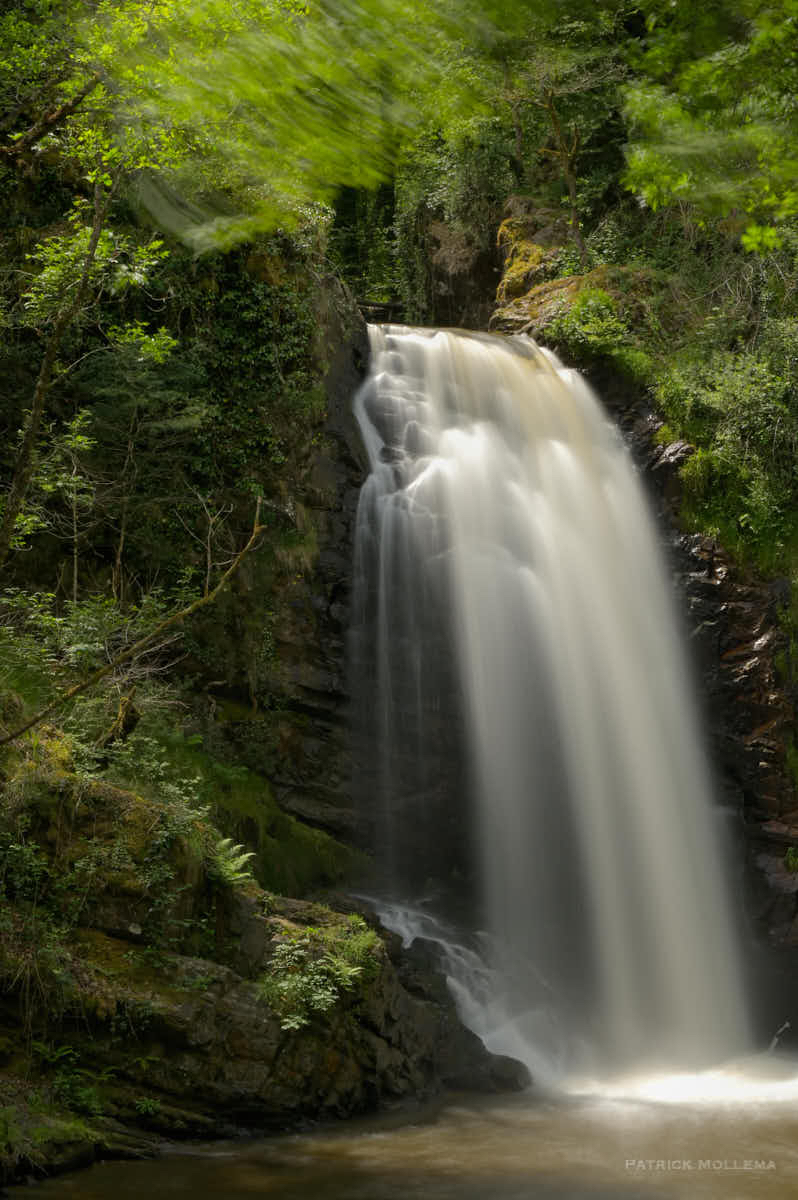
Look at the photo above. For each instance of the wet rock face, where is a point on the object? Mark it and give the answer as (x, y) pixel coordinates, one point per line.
(735, 628)
(212, 1049)
(311, 773)
(736, 640)
(278, 702)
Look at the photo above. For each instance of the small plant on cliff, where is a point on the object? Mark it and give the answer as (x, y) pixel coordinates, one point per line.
(75, 1086)
(227, 863)
(310, 971)
(591, 322)
(791, 859)
(147, 1106)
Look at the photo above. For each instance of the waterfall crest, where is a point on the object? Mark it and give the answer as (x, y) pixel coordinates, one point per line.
(524, 706)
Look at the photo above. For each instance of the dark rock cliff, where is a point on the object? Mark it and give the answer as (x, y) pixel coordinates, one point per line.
(737, 649)
(280, 706)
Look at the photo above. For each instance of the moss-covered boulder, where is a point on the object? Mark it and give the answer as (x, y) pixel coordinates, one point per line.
(151, 988)
(529, 248)
(609, 316)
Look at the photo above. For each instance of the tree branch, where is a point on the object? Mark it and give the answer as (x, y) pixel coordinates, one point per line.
(49, 121)
(142, 643)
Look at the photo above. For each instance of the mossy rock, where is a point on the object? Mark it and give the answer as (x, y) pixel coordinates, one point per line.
(539, 306)
(528, 222)
(611, 314)
(527, 261)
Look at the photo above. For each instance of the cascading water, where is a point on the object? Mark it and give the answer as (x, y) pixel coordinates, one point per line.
(524, 707)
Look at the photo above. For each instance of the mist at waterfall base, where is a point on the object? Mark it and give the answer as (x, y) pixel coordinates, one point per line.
(524, 718)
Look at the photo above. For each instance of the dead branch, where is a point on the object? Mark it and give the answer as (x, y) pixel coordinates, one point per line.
(142, 643)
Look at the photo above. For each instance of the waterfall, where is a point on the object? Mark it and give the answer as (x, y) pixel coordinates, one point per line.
(525, 720)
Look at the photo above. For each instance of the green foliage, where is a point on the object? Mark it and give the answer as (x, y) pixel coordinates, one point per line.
(591, 323)
(322, 99)
(310, 971)
(75, 1086)
(291, 858)
(10, 1129)
(23, 867)
(46, 644)
(712, 116)
(75, 1091)
(153, 347)
(791, 859)
(742, 409)
(34, 961)
(34, 39)
(361, 242)
(592, 327)
(227, 863)
(61, 259)
(449, 192)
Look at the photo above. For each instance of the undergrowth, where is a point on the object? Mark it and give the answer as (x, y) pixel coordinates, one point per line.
(312, 969)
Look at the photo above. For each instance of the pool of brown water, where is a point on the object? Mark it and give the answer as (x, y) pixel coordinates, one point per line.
(715, 1136)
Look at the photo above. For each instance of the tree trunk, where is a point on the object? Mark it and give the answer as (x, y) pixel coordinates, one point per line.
(74, 536)
(566, 155)
(26, 459)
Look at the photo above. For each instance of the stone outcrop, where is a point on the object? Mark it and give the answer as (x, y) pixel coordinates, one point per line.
(279, 701)
(209, 1047)
(204, 1056)
(148, 1007)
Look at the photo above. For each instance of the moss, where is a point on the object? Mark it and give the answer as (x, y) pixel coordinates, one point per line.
(292, 857)
(37, 1134)
(521, 270)
(298, 548)
(117, 969)
(539, 306)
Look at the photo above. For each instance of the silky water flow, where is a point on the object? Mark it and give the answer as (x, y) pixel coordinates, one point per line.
(524, 707)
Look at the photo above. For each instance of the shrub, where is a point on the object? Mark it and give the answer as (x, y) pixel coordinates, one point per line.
(310, 970)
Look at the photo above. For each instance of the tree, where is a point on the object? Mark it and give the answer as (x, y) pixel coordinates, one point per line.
(712, 114)
(74, 268)
(575, 86)
(53, 77)
(65, 476)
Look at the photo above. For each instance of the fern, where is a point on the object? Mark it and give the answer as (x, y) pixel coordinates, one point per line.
(227, 863)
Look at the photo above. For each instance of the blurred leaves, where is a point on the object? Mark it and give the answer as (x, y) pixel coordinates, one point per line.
(713, 115)
(270, 107)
